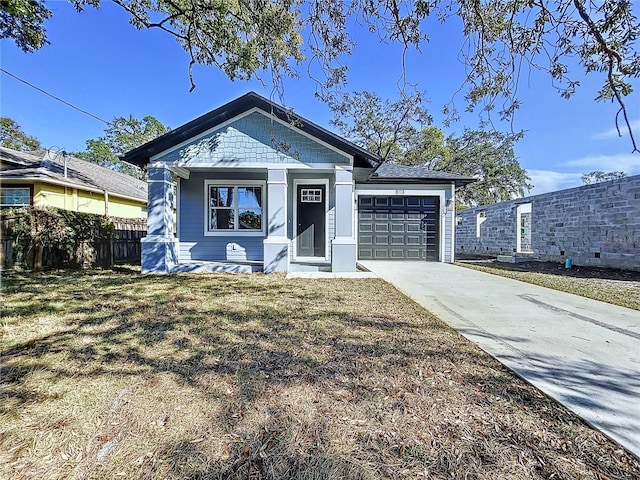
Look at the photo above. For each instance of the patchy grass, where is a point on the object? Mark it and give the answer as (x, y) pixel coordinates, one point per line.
(623, 291)
(118, 375)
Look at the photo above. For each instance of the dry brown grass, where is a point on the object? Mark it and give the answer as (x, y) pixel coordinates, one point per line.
(118, 375)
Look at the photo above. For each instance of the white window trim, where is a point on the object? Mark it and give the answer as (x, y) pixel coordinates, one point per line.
(311, 181)
(523, 209)
(234, 183)
(481, 217)
(311, 195)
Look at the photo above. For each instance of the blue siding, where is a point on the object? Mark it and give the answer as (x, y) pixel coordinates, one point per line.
(254, 138)
(194, 245)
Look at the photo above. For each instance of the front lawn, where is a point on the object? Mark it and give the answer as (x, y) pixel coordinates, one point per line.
(119, 375)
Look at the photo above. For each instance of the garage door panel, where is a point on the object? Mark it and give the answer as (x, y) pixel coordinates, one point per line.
(379, 240)
(364, 252)
(366, 239)
(389, 228)
(397, 239)
(413, 240)
(365, 227)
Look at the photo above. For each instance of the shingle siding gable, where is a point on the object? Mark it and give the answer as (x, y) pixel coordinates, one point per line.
(254, 138)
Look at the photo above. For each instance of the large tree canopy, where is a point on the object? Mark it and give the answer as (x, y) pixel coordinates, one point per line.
(12, 136)
(504, 38)
(490, 157)
(384, 127)
(400, 132)
(122, 135)
(23, 21)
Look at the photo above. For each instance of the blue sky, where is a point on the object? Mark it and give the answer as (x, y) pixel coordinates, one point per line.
(102, 64)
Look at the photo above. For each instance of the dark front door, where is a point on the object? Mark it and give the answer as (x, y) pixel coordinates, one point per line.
(310, 213)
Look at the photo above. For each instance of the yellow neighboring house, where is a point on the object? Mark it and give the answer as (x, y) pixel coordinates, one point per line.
(51, 179)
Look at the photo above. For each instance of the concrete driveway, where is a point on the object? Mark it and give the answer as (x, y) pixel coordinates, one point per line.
(583, 353)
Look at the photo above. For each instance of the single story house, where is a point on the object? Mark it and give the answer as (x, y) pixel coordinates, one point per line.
(52, 179)
(260, 188)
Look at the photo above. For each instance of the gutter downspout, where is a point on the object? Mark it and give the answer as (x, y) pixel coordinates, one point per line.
(106, 203)
(453, 222)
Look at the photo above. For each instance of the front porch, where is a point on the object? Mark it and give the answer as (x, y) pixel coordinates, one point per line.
(273, 219)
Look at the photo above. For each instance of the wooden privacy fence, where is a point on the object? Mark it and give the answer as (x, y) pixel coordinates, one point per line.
(122, 246)
(125, 241)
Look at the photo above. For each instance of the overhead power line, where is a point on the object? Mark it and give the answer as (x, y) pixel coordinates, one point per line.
(54, 97)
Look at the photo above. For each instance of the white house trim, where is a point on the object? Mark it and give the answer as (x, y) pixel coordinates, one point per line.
(234, 183)
(408, 190)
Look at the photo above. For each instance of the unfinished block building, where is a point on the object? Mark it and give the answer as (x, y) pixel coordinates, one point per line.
(597, 225)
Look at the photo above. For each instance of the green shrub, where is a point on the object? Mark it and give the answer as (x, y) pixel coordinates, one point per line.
(58, 238)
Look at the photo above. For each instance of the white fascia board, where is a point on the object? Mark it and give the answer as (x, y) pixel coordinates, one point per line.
(250, 166)
(407, 189)
(179, 171)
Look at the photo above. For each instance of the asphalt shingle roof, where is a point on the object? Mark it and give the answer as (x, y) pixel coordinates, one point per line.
(390, 172)
(80, 173)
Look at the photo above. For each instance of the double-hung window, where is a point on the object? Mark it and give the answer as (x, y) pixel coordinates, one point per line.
(235, 207)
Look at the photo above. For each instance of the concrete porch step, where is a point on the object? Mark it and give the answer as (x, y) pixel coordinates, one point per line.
(202, 266)
(513, 258)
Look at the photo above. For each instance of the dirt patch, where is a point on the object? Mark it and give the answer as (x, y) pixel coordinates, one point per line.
(601, 275)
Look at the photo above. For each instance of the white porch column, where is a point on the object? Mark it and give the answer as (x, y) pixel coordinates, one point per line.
(276, 245)
(160, 246)
(343, 246)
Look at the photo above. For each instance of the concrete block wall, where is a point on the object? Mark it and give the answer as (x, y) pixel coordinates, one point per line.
(596, 225)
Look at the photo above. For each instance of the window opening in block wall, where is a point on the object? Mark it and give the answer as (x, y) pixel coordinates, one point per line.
(523, 228)
(481, 217)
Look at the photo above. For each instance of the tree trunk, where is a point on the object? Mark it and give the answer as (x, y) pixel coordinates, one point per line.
(37, 258)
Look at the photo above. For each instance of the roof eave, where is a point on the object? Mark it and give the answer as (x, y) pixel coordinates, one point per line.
(459, 182)
(62, 183)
